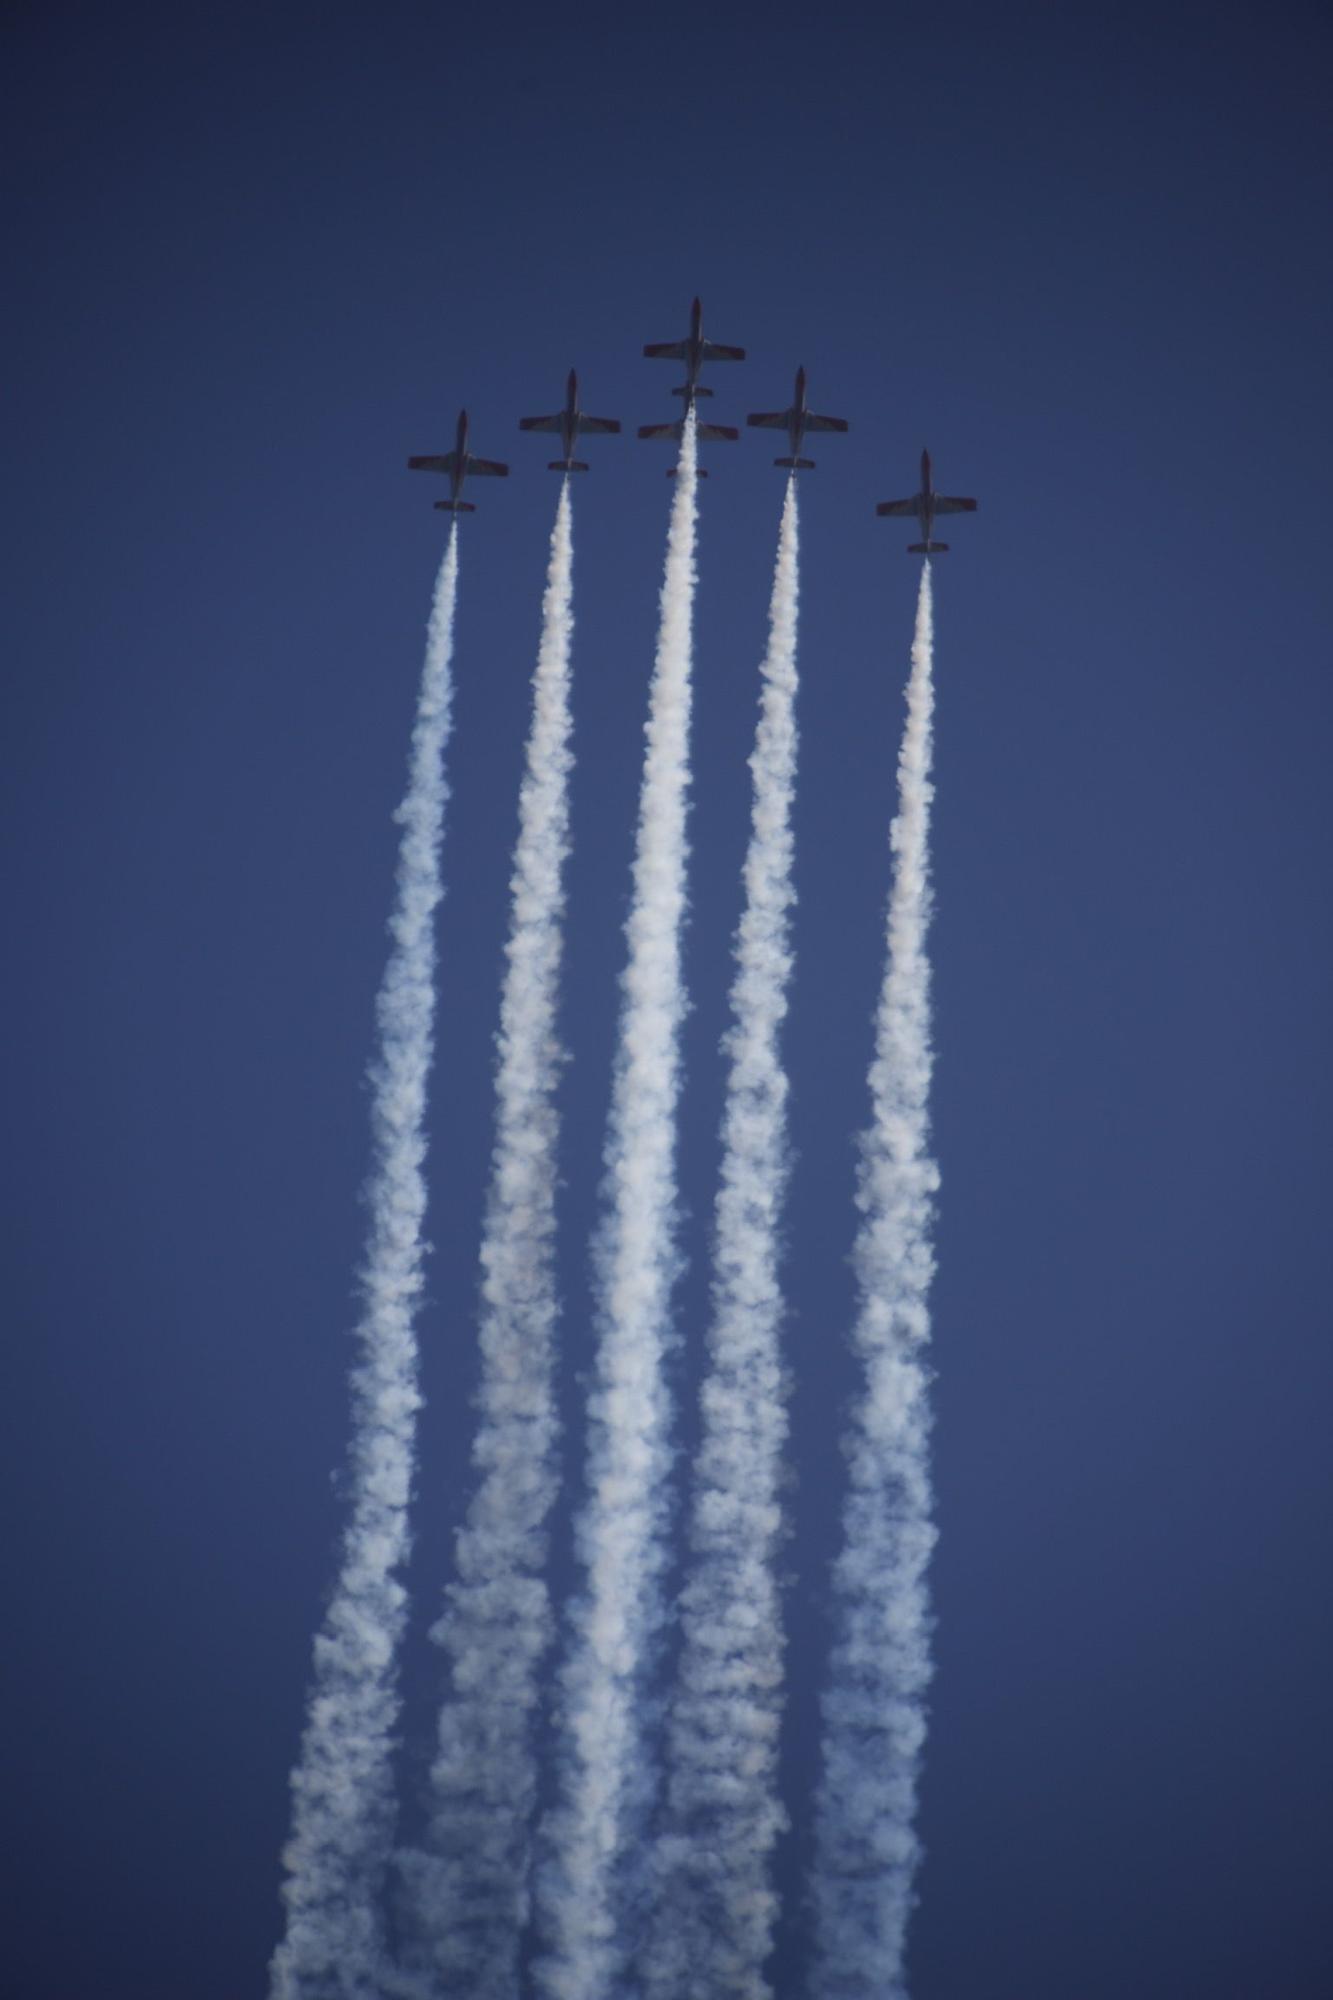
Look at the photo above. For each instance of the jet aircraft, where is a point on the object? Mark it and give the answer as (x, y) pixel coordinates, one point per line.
(926, 505)
(457, 464)
(796, 421)
(568, 424)
(694, 350)
(677, 431)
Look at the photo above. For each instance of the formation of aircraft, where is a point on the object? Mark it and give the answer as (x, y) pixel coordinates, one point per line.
(926, 505)
(798, 422)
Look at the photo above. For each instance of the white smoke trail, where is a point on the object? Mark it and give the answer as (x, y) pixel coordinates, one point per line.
(342, 1792)
(866, 1847)
(604, 1787)
(716, 1910)
(470, 1889)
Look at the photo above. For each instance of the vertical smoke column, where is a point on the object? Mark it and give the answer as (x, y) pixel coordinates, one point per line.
(470, 1890)
(714, 1922)
(342, 1790)
(604, 1785)
(874, 1708)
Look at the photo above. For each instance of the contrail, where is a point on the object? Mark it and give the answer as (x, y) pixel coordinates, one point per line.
(342, 1791)
(866, 1847)
(716, 1905)
(605, 1786)
(470, 1888)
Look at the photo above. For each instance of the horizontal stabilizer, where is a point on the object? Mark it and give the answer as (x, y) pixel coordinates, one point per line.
(796, 464)
(566, 465)
(692, 389)
(454, 507)
(927, 548)
(700, 471)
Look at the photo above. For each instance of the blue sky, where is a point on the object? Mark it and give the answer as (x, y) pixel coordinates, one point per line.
(265, 254)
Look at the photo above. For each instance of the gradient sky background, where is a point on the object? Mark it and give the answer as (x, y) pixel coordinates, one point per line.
(262, 254)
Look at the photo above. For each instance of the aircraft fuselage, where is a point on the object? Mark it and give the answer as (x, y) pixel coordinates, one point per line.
(569, 416)
(694, 358)
(799, 413)
(459, 472)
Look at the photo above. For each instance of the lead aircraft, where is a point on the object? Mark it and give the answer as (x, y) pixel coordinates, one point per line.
(694, 350)
(457, 465)
(568, 424)
(796, 421)
(926, 505)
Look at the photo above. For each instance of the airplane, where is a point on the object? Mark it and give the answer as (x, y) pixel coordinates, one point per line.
(457, 464)
(694, 350)
(569, 423)
(677, 431)
(796, 421)
(926, 505)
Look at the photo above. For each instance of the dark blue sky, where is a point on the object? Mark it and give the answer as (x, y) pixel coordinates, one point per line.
(260, 255)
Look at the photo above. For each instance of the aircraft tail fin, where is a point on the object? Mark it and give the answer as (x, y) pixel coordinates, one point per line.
(454, 507)
(927, 548)
(566, 465)
(796, 464)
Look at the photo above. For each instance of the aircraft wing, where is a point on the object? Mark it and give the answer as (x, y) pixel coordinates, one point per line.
(943, 506)
(897, 507)
(539, 424)
(660, 430)
(716, 431)
(770, 420)
(429, 464)
(813, 423)
(713, 351)
(596, 426)
(666, 350)
(486, 468)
